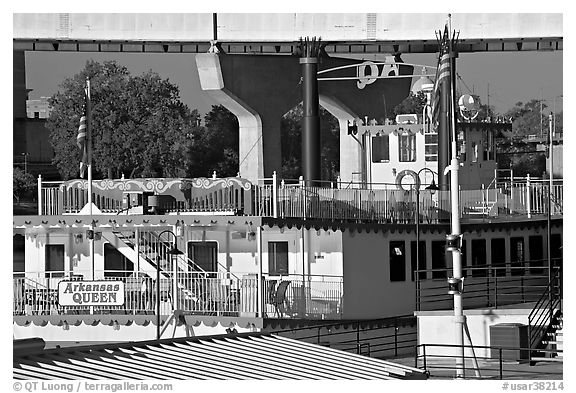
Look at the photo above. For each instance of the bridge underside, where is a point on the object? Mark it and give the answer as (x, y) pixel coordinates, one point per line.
(288, 48)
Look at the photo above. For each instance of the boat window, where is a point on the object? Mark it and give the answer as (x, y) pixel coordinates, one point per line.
(380, 148)
(407, 147)
(474, 152)
(439, 258)
(54, 260)
(430, 144)
(204, 255)
(397, 261)
(18, 259)
(517, 255)
(556, 249)
(498, 246)
(489, 145)
(463, 258)
(462, 145)
(277, 258)
(478, 257)
(536, 250)
(431, 147)
(115, 263)
(420, 261)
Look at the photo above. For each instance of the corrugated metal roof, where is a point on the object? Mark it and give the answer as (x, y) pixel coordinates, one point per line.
(242, 356)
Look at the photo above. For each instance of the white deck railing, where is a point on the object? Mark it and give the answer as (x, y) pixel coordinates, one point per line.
(382, 203)
(308, 296)
(195, 293)
(204, 293)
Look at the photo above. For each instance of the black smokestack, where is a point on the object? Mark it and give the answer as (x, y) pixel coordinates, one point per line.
(311, 119)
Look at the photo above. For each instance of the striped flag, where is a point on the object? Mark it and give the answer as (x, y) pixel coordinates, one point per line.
(442, 74)
(81, 141)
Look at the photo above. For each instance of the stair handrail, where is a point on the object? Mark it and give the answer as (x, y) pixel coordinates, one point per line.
(141, 254)
(541, 316)
(187, 260)
(191, 262)
(36, 284)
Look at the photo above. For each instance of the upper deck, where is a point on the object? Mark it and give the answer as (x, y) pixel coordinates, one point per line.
(372, 203)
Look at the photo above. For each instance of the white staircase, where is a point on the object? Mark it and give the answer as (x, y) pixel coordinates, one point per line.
(119, 242)
(554, 343)
(125, 244)
(556, 337)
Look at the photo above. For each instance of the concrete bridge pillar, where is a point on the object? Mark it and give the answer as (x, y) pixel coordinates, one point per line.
(350, 149)
(249, 122)
(260, 89)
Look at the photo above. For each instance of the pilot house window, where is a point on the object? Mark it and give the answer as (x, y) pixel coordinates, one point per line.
(407, 147)
(380, 148)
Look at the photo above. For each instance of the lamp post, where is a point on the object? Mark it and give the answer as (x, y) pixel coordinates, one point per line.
(425, 85)
(432, 188)
(25, 162)
(172, 251)
(550, 148)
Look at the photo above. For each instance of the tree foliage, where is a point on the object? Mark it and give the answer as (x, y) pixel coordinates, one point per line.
(139, 125)
(215, 146)
(413, 104)
(291, 134)
(23, 183)
(521, 157)
(527, 118)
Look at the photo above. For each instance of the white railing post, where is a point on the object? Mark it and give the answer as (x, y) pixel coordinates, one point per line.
(528, 201)
(506, 196)
(260, 278)
(137, 248)
(302, 195)
(484, 198)
(175, 282)
(274, 195)
(339, 182)
(39, 195)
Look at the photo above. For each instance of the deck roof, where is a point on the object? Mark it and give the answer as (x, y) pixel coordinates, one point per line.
(251, 356)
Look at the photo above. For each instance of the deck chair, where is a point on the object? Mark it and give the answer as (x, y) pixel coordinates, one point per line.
(280, 298)
(270, 293)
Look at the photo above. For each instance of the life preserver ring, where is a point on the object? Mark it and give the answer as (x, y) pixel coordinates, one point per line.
(404, 173)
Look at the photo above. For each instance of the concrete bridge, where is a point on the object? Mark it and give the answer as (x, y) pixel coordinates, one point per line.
(254, 69)
(279, 33)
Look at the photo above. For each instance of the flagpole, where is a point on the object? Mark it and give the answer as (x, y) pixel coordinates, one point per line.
(459, 318)
(89, 143)
(89, 156)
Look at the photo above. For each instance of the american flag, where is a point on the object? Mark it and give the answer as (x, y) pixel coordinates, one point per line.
(442, 73)
(81, 142)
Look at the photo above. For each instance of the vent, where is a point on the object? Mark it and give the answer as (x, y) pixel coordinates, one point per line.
(371, 26)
